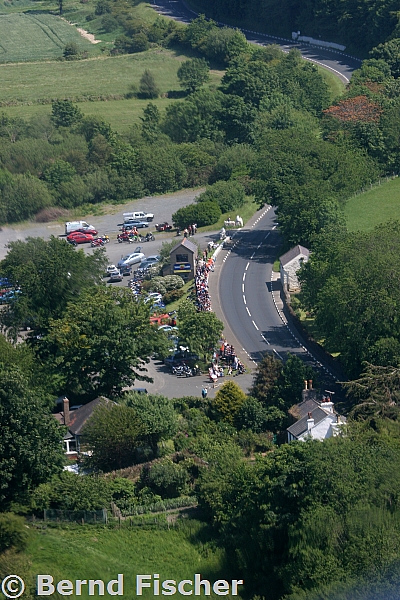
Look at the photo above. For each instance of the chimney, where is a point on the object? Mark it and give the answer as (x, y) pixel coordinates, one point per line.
(310, 384)
(66, 411)
(305, 384)
(327, 405)
(310, 423)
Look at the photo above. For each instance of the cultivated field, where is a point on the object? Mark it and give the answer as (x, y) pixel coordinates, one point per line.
(378, 205)
(26, 37)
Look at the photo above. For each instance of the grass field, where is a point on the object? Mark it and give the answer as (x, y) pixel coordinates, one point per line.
(26, 37)
(98, 77)
(378, 205)
(94, 552)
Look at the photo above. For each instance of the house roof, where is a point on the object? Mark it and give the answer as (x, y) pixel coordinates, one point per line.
(186, 244)
(294, 253)
(298, 411)
(79, 416)
(301, 426)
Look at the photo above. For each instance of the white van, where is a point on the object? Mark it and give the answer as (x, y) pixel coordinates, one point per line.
(71, 226)
(137, 216)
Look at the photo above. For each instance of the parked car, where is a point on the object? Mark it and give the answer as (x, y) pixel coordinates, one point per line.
(80, 238)
(126, 270)
(137, 216)
(180, 356)
(116, 276)
(132, 224)
(110, 269)
(149, 261)
(131, 259)
(153, 297)
(163, 226)
(167, 328)
(81, 226)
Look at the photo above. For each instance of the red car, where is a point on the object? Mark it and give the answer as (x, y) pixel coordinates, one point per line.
(79, 238)
(163, 226)
(90, 231)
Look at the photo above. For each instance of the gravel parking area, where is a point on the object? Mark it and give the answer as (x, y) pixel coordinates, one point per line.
(162, 207)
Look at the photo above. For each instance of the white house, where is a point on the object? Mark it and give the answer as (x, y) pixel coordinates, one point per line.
(316, 420)
(290, 264)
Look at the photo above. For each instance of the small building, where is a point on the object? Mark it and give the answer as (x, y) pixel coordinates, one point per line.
(315, 420)
(290, 264)
(74, 419)
(183, 259)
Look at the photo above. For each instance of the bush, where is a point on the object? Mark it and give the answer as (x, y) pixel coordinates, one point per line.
(172, 296)
(203, 213)
(71, 51)
(166, 478)
(109, 24)
(13, 532)
(229, 195)
(139, 43)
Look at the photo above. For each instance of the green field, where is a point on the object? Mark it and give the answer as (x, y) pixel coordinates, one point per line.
(378, 205)
(26, 37)
(102, 77)
(93, 552)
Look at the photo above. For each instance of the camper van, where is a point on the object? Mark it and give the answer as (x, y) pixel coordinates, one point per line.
(137, 216)
(71, 226)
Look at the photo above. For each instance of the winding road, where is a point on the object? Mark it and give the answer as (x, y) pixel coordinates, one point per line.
(339, 63)
(247, 292)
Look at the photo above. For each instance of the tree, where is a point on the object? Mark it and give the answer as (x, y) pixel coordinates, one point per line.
(24, 195)
(64, 113)
(50, 274)
(165, 478)
(30, 442)
(203, 213)
(266, 378)
(228, 401)
(112, 434)
(71, 51)
(151, 123)
(229, 195)
(199, 331)
(193, 73)
(101, 343)
(156, 415)
(252, 415)
(147, 86)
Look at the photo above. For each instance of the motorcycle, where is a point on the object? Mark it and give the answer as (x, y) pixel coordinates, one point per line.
(125, 237)
(97, 243)
(105, 239)
(149, 237)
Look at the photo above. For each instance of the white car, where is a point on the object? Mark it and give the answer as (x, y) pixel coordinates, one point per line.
(110, 270)
(167, 328)
(153, 297)
(131, 259)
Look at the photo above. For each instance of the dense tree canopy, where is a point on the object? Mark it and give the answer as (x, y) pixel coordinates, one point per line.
(100, 344)
(50, 273)
(30, 443)
(349, 286)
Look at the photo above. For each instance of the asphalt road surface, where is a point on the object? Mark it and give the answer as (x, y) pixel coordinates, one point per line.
(341, 64)
(248, 297)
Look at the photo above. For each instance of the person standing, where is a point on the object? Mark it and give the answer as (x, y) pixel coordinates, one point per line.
(204, 393)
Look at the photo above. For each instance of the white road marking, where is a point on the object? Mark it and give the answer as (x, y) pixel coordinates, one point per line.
(243, 288)
(249, 313)
(244, 299)
(244, 276)
(247, 266)
(277, 353)
(255, 326)
(252, 256)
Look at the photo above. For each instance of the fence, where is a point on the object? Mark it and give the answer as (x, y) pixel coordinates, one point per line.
(77, 516)
(162, 506)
